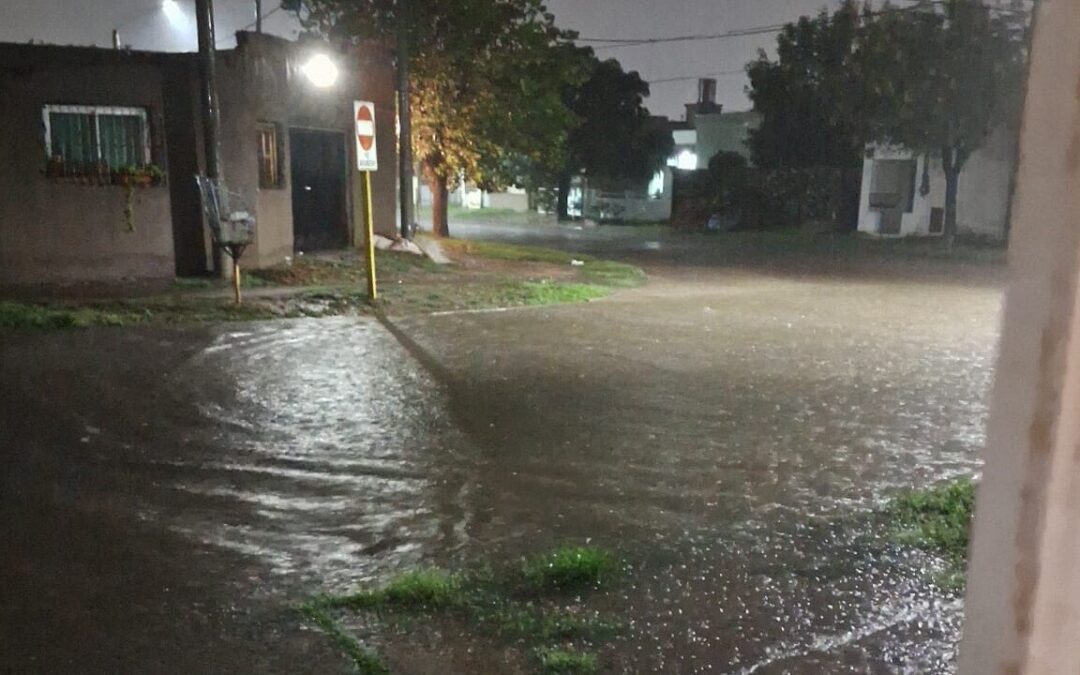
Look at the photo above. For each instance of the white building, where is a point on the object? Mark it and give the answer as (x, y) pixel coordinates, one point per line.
(892, 205)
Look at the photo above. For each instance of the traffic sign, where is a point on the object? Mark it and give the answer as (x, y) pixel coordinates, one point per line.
(364, 117)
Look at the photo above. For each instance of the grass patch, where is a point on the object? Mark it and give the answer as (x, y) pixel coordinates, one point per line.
(551, 292)
(528, 621)
(500, 251)
(346, 271)
(62, 315)
(247, 280)
(610, 273)
(569, 569)
(18, 315)
(423, 590)
(565, 662)
(508, 605)
(594, 270)
(364, 660)
(938, 520)
(335, 286)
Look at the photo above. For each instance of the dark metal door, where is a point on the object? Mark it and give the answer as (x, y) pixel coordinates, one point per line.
(317, 163)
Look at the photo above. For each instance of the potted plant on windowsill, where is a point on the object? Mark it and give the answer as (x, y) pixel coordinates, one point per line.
(130, 175)
(56, 168)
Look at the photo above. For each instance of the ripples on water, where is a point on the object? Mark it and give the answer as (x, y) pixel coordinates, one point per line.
(724, 444)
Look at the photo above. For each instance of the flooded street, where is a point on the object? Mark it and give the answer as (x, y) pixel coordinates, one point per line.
(726, 429)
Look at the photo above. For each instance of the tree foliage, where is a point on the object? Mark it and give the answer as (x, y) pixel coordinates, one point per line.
(942, 77)
(486, 77)
(615, 138)
(810, 96)
(937, 77)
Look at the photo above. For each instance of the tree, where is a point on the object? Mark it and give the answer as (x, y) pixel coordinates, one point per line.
(942, 76)
(486, 79)
(810, 97)
(615, 138)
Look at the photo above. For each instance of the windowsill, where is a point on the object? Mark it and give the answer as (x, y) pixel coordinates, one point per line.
(100, 182)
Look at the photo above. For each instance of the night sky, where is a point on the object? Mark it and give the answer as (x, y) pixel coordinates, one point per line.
(145, 24)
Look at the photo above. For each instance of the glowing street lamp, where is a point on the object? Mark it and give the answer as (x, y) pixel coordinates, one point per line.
(172, 11)
(321, 70)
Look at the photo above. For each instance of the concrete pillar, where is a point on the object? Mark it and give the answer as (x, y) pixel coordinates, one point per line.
(1023, 601)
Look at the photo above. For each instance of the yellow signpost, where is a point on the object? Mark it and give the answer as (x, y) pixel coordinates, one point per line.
(367, 160)
(369, 240)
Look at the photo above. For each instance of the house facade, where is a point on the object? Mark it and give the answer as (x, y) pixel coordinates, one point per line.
(708, 130)
(78, 121)
(892, 203)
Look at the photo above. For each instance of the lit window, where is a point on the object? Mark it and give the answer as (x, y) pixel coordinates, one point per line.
(269, 166)
(86, 137)
(656, 185)
(687, 160)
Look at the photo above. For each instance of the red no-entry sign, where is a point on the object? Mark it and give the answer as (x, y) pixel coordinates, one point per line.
(364, 117)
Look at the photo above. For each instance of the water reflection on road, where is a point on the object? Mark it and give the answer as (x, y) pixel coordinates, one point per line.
(722, 431)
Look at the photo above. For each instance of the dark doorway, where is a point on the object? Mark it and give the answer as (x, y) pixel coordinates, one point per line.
(317, 163)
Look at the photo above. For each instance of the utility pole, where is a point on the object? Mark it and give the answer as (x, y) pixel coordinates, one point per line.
(405, 159)
(208, 98)
(258, 16)
(208, 105)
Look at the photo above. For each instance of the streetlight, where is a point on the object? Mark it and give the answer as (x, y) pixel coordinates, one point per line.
(172, 11)
(321, 70)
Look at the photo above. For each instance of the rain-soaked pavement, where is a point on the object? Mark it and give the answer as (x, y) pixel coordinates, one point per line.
(170, 493)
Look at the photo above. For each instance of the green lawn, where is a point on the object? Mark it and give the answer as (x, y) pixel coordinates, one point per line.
(592, 270)
(330, 286)
(535, 607)
(937, 519)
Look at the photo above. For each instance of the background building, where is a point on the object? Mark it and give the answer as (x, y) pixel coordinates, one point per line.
(892, 203)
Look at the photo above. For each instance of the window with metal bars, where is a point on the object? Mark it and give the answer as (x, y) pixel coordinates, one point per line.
(269, 157)
(90, 137)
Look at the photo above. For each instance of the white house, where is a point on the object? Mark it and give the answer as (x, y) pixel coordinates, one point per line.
(892, 204)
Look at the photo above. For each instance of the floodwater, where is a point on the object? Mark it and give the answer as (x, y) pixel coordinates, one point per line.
(171, 492)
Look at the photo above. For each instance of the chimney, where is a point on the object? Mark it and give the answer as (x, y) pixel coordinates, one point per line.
(706, 88)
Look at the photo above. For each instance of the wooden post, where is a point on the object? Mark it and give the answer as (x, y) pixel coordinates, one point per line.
(369, 239)
(1023, 597)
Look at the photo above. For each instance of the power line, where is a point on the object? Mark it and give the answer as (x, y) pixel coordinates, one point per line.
(611, 43)
(264, 17)
(687, 78)
(617, 43)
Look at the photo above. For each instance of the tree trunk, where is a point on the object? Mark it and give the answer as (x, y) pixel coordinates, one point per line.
(952, 180)
(440, 202)
(563, 209)
(952, 160)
